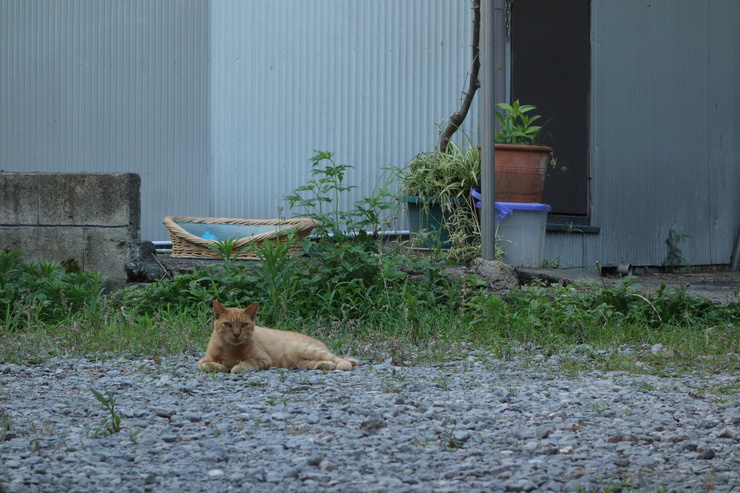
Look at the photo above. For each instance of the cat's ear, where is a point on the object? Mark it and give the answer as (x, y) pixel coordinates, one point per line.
(218, 308)
(252, 310)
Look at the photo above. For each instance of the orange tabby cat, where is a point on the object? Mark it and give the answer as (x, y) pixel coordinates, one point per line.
(237, 344)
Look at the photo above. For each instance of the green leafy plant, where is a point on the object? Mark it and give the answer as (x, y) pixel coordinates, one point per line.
(112, 423)
(32, 292)
(442, 176)
(324, 191)
(278, 278)
(517, 124)
(227, 250)
(321, 197)
(444, 180)
(234, 285)
(674, 257)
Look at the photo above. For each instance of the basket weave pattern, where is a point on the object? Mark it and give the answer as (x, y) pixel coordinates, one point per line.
(188, 245)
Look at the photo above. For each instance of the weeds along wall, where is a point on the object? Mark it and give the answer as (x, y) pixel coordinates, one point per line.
(85, 221)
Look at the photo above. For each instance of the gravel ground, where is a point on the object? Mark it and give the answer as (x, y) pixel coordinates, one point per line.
(474, 424)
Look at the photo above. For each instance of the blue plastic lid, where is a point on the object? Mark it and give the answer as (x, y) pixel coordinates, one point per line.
(523, 206)
(506, 208)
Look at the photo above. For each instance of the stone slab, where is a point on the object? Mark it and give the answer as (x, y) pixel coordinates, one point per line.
(19, 199)
(78, 249)
(85, 221)
(71, 199)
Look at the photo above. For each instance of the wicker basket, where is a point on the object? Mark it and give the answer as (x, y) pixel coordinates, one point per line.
(190, 245)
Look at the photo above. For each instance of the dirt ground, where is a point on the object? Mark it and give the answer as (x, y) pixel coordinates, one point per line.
(716, 283)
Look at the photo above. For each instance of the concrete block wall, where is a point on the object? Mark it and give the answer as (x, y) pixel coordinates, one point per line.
(86, 221)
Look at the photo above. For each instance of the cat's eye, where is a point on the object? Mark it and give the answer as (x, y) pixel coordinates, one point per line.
(227, 325)
(245, 325)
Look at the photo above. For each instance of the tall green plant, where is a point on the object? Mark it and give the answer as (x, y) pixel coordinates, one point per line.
(444, 179)
(279, 277)
(320, 199)
(227, 250)
(517, 125)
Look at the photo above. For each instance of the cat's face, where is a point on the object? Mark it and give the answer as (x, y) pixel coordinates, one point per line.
(234, 325)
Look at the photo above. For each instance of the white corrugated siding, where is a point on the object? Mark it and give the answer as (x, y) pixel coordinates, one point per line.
(366, 80)
(218, 105)
(109, 85)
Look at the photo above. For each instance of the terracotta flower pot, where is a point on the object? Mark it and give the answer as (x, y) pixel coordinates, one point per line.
(520, 172)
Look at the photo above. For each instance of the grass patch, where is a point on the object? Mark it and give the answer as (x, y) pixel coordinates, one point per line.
(418, 315)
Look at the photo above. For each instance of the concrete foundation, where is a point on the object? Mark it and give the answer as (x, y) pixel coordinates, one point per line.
(85, 221)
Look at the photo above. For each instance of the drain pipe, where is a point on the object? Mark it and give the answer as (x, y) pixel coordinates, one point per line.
(165, 246)
(735, 259)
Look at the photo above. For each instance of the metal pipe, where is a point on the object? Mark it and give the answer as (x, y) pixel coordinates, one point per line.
(487, 108)
(735, 259)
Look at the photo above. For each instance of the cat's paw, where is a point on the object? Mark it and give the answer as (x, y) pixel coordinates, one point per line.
(241, 368)
(346, 364)
(325, 366)
(211, 366)
(251, 365)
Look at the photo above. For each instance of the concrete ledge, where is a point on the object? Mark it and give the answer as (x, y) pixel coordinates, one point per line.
(86, 221)
(71, 199)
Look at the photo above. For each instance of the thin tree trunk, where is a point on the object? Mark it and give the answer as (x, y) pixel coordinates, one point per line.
(457, 118)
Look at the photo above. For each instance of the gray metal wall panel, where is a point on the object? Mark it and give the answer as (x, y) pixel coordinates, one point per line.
(723, 132)
(665, 133)
(109, 85)
(564, 250)
(652, 122)
(648, 64)
(366, 80)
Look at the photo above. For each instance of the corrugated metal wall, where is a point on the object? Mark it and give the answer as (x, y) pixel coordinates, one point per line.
(723, 131)
(218, 105)
(109, 85)
(366, 80)
(665, 133)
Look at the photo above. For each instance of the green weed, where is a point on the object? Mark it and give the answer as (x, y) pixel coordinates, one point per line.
(111, 423)
(43, 292)
(228, 250)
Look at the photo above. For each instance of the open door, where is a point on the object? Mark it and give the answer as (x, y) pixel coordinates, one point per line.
(551, 69)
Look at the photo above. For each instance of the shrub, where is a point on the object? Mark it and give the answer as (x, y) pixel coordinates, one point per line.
(32, 292)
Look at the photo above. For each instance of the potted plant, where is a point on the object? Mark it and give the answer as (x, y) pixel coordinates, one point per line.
(436, 189)
(436, 185)
(521, 164)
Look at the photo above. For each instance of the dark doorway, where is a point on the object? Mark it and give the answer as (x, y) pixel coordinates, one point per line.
(551, 69)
